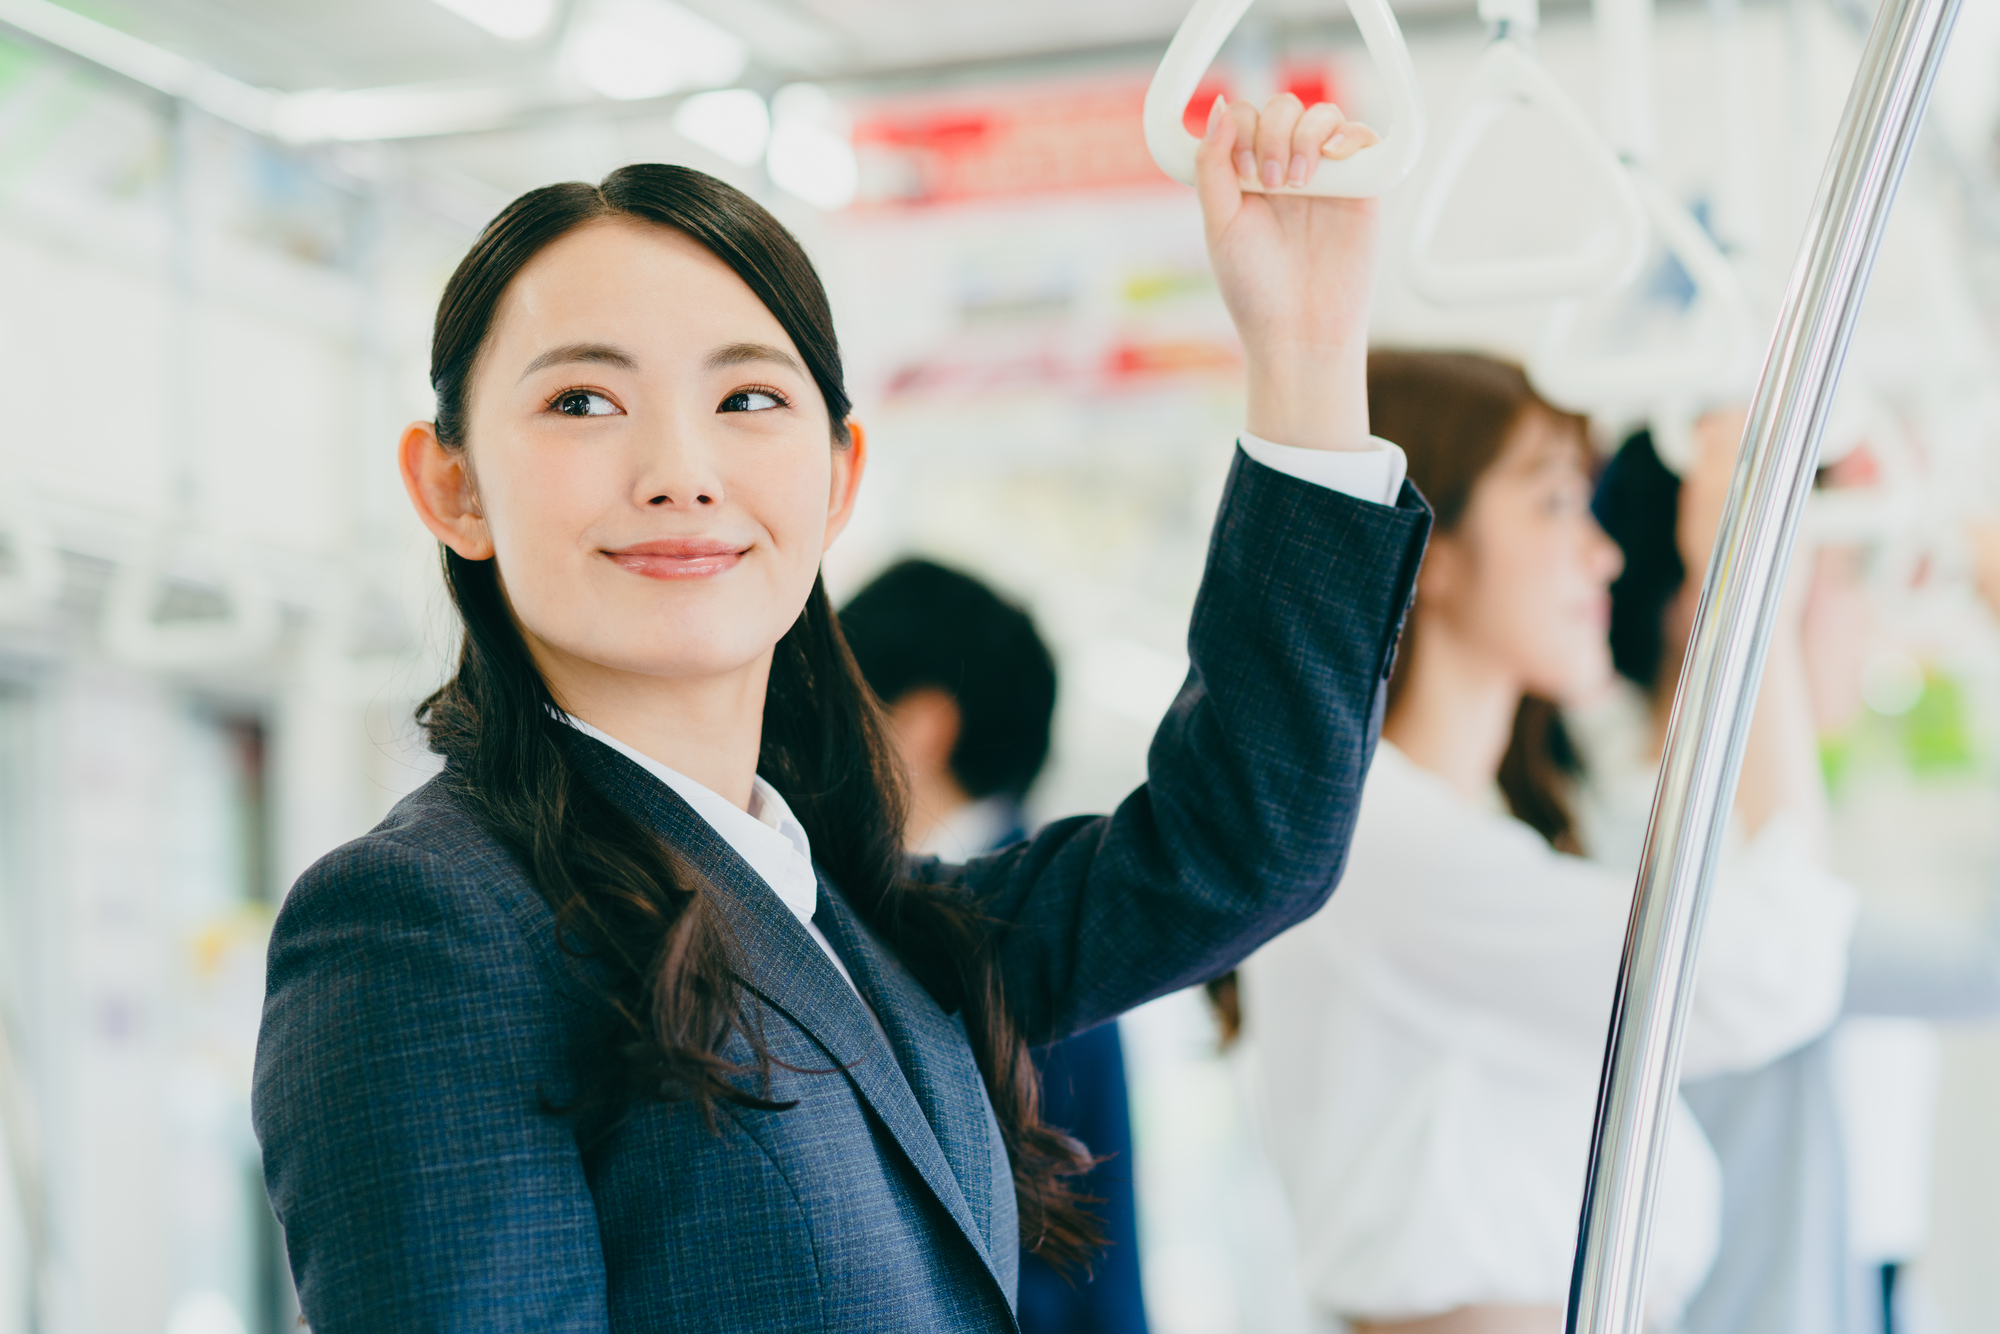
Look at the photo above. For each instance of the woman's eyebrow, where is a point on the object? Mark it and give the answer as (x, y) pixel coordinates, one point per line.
(602, 353)
(736, 354)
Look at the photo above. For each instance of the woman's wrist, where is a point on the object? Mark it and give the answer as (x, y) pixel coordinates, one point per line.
(1310, 396)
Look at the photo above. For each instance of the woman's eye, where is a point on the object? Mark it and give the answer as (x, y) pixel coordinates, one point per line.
(751, 400)
(584, 403)
(1563, 501)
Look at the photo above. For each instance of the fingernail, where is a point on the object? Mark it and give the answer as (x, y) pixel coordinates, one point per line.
(1246, 165)
(1215, 111)
(1273, 173)
(1297, 175)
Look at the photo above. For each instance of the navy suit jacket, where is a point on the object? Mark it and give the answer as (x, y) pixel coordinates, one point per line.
(421, 1018)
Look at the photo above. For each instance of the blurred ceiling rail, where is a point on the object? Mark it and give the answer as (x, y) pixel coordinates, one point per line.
(143, 63)
(426, 110)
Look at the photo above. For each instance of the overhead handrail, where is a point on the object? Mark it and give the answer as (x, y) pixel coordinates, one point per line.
(34, 582)
(1732, 631)
(1506, 77)
(1709, 353)
(1370, 171)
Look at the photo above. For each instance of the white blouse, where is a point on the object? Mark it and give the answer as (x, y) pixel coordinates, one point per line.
(1424, 1052)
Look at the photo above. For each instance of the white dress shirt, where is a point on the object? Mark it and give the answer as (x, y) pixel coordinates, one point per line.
(1375, 475)
(767, 836)
(771, 839)
(1424, 1052)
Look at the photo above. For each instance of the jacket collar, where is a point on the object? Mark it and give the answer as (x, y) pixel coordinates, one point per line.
(935, 1057)
(783, 965)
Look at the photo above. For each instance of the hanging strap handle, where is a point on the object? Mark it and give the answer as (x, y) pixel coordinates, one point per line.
(1507, 76)
(35, 581)
(134, 632)
(1371, 171)
(1715, 346)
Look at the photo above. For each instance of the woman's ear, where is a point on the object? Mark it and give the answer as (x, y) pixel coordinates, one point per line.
(1442, 571)
(441, 490)
(848, 465)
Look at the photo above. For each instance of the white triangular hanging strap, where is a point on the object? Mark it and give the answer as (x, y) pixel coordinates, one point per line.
(1507, 76)
(1370, 171)
(1709, 354)
(34, 580)
(134, 632)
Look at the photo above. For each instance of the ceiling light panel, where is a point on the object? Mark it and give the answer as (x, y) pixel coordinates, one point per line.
(733, 123)
(630, 49)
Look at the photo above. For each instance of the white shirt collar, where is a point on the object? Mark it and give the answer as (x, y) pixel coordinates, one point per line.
(767, 836)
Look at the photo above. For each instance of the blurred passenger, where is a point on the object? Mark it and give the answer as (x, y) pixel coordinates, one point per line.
(1797, 1137)
(970, 692)
(1426, 1049)
(638, 1015)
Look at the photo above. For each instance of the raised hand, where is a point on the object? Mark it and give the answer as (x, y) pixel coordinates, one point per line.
(1296, 271)
(1705, 487)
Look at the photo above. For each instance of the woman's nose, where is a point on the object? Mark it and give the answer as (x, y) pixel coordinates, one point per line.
(678, 472)
(1606, 554)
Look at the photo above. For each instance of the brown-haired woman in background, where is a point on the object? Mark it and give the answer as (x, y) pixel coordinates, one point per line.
(1426, 1049)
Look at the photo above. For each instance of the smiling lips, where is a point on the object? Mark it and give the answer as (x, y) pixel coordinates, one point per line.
(678, 557)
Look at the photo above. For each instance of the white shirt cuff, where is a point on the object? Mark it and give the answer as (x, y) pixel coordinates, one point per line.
(1374, 475)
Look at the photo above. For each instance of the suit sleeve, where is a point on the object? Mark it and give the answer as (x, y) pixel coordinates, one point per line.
(409, 1041)
(1254, 776)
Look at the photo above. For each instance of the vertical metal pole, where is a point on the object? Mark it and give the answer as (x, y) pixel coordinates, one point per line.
(1732, 630)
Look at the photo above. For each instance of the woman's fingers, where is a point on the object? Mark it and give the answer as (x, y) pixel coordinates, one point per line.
(1274, 138)
(1349, 139)
(1244, 117)
(1312, 136)
(1215, 174)
(1277, 148)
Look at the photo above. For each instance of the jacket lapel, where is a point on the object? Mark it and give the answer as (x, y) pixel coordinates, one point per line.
(783, 965)
(931, 1048)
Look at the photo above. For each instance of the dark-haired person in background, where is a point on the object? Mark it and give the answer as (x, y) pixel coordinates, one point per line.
(1785, 1264)
(638, 1016)
(970, 692)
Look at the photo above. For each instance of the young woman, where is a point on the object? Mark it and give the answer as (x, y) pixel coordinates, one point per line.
(1426, 1049)
(637, 1017)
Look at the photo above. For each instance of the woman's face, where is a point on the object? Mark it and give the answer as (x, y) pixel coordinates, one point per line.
(648, 460)
(1523, 582)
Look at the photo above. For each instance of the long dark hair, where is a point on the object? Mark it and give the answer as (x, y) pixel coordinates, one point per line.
(624, 899)
(1453, 414)
(1638, 503)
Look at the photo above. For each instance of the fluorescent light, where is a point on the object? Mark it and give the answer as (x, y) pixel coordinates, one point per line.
(813, 163)
(733, 123)
(630, 49)
(811, 155)
(515, 20)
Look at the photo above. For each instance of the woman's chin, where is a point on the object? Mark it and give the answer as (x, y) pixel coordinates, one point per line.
(1583, 678)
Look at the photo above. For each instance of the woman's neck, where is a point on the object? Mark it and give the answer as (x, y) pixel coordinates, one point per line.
(708, 727)
(1455, 714)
